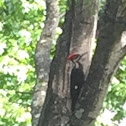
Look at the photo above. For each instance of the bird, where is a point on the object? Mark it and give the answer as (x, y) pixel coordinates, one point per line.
(76, 77)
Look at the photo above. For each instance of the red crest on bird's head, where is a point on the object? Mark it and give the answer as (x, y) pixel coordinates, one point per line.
(72, 56)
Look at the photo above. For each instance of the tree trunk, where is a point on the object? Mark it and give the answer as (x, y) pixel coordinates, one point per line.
(78, 35)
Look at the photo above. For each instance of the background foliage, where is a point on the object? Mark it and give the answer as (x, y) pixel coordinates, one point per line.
(21, 24)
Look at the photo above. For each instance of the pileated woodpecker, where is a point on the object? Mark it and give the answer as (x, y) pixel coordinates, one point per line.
(76, 78)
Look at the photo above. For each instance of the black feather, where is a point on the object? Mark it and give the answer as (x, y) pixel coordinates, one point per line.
(77, 80)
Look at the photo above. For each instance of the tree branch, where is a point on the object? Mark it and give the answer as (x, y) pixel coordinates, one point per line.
(106, 60)
(42, 58)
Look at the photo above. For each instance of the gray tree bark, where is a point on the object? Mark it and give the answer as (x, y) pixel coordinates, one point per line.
(78, 35)
(42, 58)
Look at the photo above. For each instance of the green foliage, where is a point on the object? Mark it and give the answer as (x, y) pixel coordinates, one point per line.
(117, 93)
(102, 6)
(21, 25)
(63, 6)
